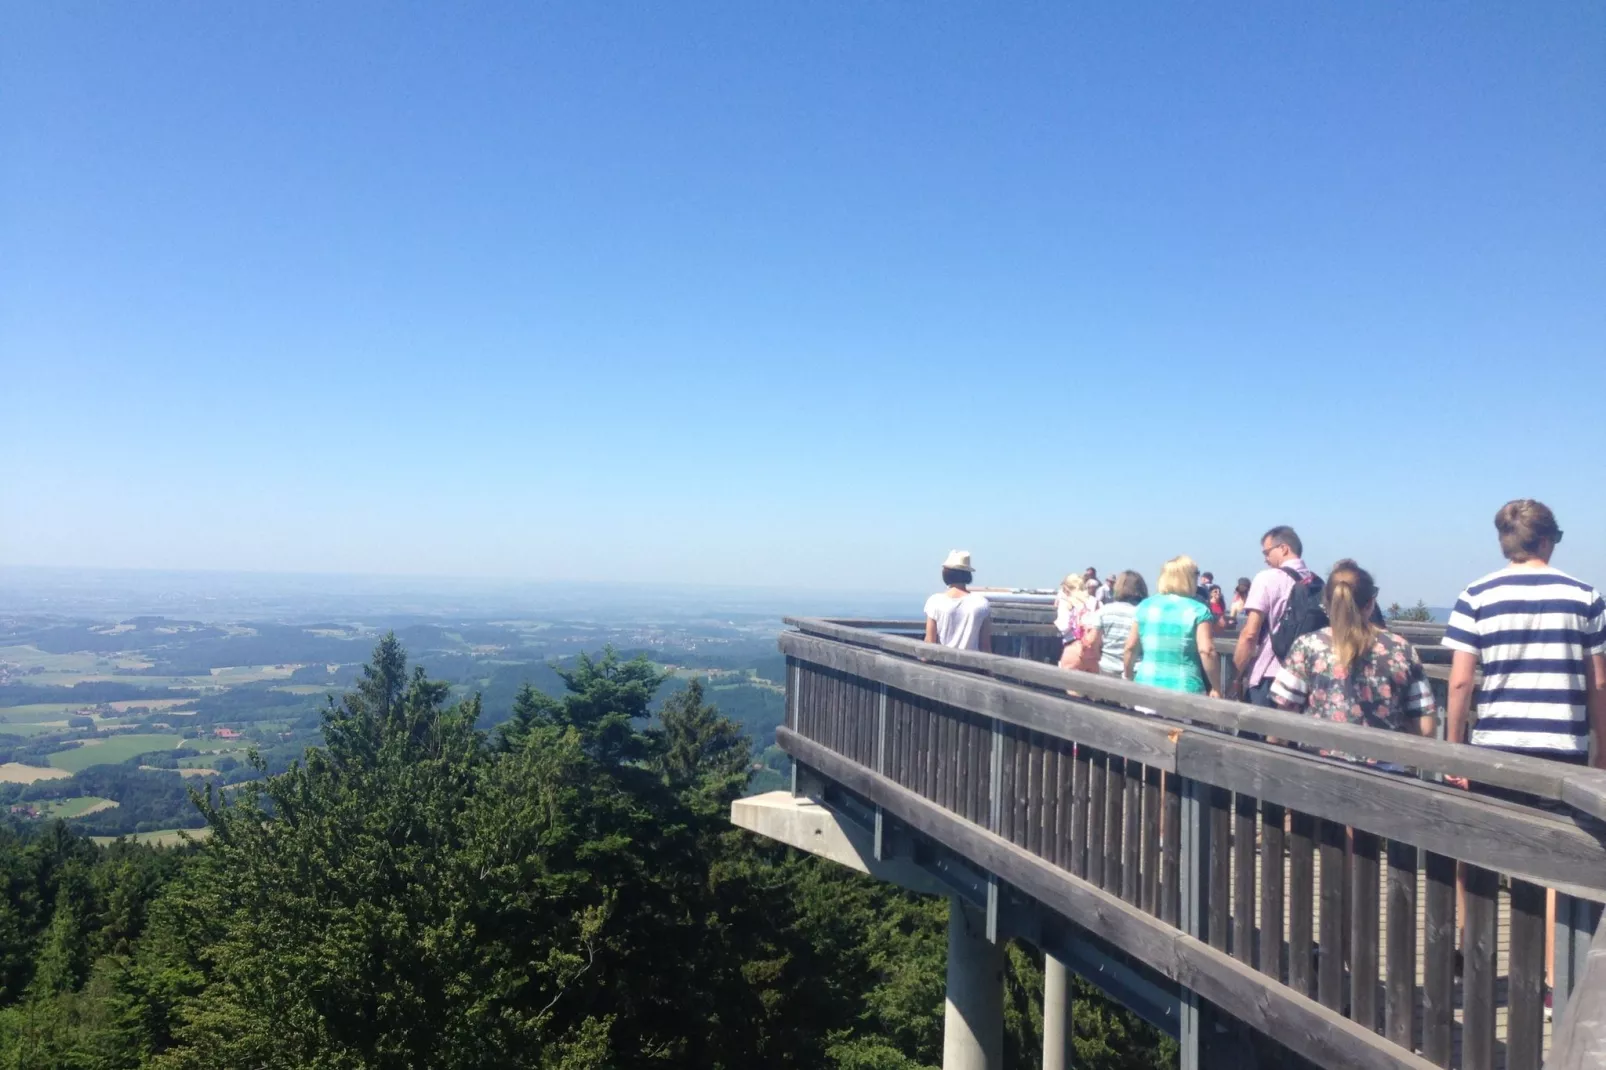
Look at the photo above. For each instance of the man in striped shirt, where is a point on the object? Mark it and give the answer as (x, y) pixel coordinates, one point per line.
(1540, 636)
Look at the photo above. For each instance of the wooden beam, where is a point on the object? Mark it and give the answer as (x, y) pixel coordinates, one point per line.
(1293, 1020)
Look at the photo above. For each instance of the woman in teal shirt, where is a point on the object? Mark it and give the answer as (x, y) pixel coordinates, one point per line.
(1174, 642)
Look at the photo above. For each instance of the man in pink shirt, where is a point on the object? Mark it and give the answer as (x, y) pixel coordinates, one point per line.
(1254, 658)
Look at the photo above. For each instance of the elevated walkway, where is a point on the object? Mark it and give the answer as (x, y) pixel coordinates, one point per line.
(1220, 886)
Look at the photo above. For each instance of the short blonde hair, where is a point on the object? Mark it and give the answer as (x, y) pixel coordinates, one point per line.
(1178, 576)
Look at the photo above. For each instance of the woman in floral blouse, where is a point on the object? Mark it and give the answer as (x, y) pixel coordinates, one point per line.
(1355, 671)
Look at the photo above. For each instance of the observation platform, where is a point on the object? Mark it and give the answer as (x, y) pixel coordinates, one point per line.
(1263, 904)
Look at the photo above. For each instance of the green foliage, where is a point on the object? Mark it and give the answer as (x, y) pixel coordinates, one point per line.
(569, 896)
(1417, 614)
(702, 755)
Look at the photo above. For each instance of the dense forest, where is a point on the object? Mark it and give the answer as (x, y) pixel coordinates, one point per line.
(563, 891)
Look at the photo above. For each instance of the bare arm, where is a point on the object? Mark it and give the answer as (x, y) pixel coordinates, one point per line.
(1463, 667)
(1093, 642)
(1243, 655)
(1595, 703)
(986, 637)
(1205, 636)
(931, 630)
(1131, 655)
(1427, 726)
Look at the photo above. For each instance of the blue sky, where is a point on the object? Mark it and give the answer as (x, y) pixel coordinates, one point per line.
(799, 295)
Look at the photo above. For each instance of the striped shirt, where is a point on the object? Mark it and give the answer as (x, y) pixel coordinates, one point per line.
(1532, 630)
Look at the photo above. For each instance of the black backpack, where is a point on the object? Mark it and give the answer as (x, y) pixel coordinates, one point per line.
(1303, 615)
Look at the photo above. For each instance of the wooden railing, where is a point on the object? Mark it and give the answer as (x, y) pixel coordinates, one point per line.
(1313, 899)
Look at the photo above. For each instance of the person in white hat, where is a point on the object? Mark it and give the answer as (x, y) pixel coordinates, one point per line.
(958, 617)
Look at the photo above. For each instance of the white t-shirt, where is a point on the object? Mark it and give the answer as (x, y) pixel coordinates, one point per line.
(959, 620)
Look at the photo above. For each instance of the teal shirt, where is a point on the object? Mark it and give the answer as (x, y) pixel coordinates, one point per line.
(1168, 627)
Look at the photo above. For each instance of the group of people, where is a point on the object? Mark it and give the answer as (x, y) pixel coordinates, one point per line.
(1321, 647)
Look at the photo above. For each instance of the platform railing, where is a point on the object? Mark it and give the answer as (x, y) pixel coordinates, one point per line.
(1313, 898)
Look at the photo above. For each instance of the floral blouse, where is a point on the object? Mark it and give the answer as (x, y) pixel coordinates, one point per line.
(1387, 690)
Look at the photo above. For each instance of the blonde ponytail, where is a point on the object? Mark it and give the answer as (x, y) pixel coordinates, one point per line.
(1348, 598)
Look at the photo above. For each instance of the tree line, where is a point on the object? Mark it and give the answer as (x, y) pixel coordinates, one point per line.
(564, 892)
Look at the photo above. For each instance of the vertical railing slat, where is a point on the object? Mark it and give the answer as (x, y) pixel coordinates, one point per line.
(1478, 972)
(1064, 797)
(1081, 779)
(1243, 878)
(1095, 816)
(1364, 929)
(1220, 886)
(1151, 840)
(1271, 890)
(1115, 792)
(1301, 902)
(1438, 938)
(1131, 832)
(1023, 759)
(1049, 846)
(1170, 851)
(1399, 1003)
(1010, 739)
(1525, 979)
(1330, 938)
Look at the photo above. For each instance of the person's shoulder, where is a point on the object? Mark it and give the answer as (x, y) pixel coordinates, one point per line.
(1503, 577)
(976, 602)
(934, 603)
(1390, 641)
(1265, 578)
(1586, 591)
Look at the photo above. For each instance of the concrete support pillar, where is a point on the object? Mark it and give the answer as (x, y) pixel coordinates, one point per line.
(973, 1021)
(1057, 1051)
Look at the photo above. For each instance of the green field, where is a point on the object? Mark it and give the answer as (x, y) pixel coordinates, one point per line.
(112, 751)
(38, 711)
(161, 838)
(77, 806)
(28, 731)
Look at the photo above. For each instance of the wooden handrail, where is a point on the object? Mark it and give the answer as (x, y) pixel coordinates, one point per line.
(1583, 789)
(1537, 846)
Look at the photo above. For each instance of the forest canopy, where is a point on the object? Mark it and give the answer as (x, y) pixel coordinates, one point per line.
(564, 891)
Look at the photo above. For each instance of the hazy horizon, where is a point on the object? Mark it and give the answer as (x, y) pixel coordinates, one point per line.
(117, 593)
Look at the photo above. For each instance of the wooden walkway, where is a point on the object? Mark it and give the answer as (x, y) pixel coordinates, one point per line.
(1139, 828)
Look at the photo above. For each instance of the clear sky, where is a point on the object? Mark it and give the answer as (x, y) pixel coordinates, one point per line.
(799, 294)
